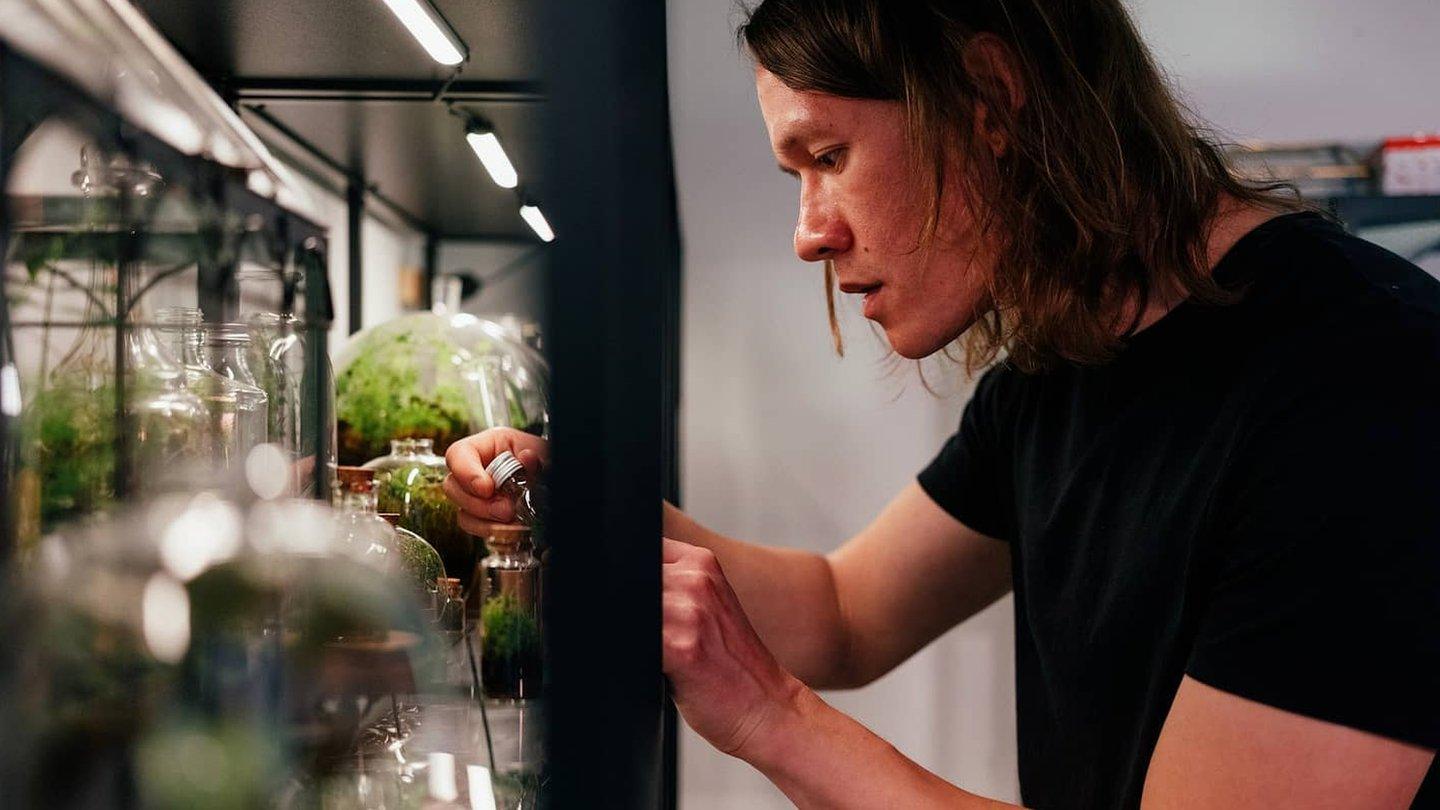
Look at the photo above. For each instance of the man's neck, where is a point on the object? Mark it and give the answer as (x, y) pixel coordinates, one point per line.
(1234, 220)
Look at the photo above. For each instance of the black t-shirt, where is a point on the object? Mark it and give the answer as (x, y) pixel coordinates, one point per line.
(1248, 494)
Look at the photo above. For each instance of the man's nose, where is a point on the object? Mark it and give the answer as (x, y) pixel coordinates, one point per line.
(821, 235)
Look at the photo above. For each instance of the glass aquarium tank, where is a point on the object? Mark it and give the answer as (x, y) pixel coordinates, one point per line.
(433, 376)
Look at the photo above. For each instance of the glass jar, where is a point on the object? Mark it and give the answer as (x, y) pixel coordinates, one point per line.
(510, 629)
(409, 482)
(234, 408)
(277, 359)
(227, 349)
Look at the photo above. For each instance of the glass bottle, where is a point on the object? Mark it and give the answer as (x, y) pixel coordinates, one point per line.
(362, 530)
(277, 360)
(227, 346)
(410, 482)
(513, 481)
(420, 561)
(223, 397)
(510, 630)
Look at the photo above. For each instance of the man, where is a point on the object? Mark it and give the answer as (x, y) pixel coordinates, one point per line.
(1205, 462)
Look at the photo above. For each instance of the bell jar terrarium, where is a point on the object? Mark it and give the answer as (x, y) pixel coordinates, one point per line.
(426, 376)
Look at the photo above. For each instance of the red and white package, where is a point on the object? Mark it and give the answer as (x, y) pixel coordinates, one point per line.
(1410, 165)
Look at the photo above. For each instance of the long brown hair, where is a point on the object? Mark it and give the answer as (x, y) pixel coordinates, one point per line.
(1104, 191)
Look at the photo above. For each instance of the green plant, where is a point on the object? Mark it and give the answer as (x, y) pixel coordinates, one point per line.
(73, 449)
(379, 396)
(510, 632)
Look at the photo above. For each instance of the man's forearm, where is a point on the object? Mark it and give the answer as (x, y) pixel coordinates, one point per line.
(788, 595)
(821, 758)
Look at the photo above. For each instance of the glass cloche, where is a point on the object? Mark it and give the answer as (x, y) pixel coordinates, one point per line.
(408, 482)
(433, 376)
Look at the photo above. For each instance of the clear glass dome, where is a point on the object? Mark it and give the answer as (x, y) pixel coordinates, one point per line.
(432, 376)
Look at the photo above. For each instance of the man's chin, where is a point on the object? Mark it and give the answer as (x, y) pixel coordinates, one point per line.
(912, 347)
(917, 346)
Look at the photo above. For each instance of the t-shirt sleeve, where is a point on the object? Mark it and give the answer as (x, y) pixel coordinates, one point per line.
(1324, 583)
(967, 478)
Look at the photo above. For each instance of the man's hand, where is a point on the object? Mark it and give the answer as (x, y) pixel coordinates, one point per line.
(727, 685)
(472, 489)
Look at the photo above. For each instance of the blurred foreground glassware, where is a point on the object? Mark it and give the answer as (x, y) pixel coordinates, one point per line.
(201, 652)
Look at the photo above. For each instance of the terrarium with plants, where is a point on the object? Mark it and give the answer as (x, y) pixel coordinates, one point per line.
(431, 376)
(409, 483)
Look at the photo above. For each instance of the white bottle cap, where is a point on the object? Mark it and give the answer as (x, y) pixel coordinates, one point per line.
(503, 467)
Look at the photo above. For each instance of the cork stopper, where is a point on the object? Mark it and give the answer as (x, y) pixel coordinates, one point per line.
(449, 587)
(355, 479)
(393, 518)
(506, 538)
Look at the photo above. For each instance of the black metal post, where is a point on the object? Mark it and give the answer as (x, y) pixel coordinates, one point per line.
(432, 267)
(616, 242)
(354, 221)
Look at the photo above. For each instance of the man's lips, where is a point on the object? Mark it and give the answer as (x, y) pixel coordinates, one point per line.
(857, 288)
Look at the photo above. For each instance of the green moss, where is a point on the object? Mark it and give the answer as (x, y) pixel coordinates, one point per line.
(419, 560)
(510, 632)
(73, 448)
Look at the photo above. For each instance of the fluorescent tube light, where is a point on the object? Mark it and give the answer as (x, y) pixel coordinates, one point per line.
(430, 29)
(492, 155)
(536, 220)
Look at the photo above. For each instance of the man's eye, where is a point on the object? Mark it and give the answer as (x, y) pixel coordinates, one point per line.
(830, 159)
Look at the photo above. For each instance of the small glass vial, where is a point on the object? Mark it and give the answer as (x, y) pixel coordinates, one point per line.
(366, 534)
(513, 481)
(510, 630)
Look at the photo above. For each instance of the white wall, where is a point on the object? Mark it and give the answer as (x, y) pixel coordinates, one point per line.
(512, 272)
(1302, 69)
(784, 443)
(384, 248)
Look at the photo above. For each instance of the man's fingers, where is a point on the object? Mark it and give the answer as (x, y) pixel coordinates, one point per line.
(467, 459)
(497, 509)
(673, 550)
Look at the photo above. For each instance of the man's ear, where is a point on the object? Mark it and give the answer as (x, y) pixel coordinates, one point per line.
(993, 66)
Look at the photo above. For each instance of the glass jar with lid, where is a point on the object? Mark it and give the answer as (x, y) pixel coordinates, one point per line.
(511, 650)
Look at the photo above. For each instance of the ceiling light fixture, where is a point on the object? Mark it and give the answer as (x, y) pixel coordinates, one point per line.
(492, 155)
(536, 220)
(430, 29)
